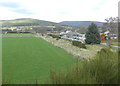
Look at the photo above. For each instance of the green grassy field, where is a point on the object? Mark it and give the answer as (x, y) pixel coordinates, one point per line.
(27, 59)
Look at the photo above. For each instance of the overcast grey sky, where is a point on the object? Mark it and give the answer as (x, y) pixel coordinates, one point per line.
(59, 10)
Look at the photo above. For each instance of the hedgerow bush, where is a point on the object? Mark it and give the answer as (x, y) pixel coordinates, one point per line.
(54, 36)
(57, 38)
(102, 34)
(101, 69)
(79, 44)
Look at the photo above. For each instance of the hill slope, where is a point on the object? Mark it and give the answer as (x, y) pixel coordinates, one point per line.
(26, 22)
(80, 23)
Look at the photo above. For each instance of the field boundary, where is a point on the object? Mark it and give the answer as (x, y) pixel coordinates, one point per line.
(90, 52)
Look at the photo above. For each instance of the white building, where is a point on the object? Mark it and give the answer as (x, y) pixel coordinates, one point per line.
(106, 33)
(112, 36)
(73, 36)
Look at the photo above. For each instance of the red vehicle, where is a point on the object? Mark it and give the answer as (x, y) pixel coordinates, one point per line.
(102, 38)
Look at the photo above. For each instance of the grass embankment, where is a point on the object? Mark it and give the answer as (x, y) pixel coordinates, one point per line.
(75, 50)
(27, 59)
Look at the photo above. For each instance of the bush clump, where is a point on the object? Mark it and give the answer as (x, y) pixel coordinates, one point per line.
(101, 69)
(103, 34)
(54, 36)
(57, 38)
(79, 44)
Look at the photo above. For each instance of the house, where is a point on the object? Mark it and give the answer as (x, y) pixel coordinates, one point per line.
(62, 33)
(73, 36)
(108, 35)
(82, 37)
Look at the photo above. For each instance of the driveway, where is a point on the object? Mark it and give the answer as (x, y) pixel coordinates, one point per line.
(111, 45)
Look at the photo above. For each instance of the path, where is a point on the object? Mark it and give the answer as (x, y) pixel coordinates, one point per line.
(111, 45)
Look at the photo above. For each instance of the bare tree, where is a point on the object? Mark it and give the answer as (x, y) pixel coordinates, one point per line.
(112, 27)
(112, 24)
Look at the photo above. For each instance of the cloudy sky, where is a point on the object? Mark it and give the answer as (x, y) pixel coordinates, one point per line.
(59, 10)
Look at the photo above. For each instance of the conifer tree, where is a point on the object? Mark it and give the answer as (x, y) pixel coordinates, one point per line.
(92, 35)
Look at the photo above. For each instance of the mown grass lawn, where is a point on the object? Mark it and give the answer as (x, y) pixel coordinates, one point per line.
(27, 59)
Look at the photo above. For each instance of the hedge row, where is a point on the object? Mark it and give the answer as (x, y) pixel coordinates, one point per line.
(79, 44)
(54, 36)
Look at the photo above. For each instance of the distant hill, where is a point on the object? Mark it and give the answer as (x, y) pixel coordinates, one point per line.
(36, 22)
(81, 23)
(26, 22)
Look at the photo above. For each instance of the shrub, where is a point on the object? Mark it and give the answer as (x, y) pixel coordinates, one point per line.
(101, 69)
(79, 44)
(103, 34)
(104, 67)
(49, 34)
(57, 38)
(54, 36)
